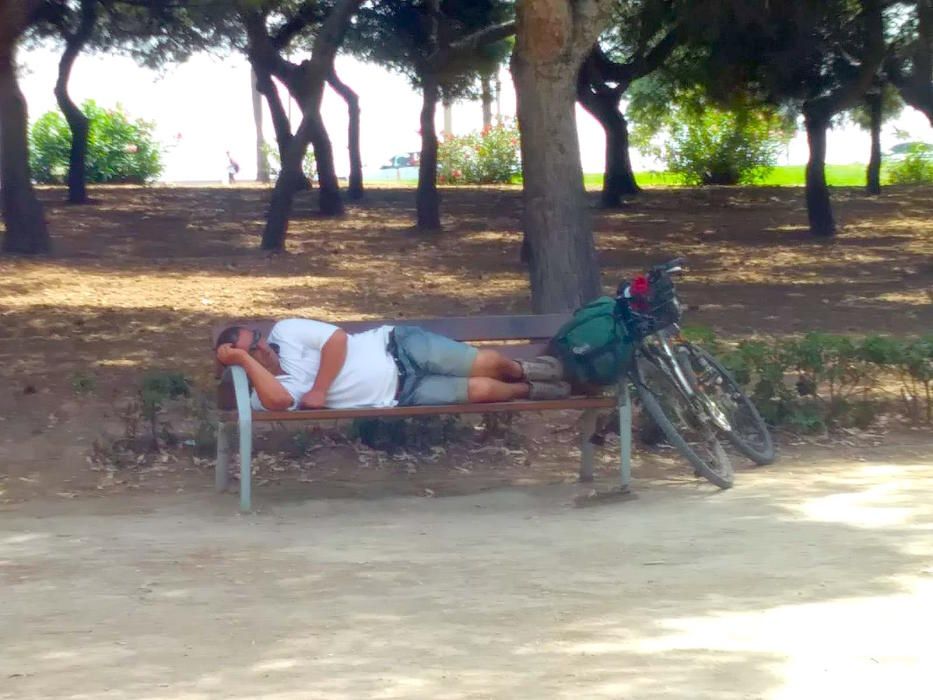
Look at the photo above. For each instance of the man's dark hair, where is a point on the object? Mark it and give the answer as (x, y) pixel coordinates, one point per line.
(229, 335)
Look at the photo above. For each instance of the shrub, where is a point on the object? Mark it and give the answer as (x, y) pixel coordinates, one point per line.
(824, 380)
(120, 150)
(155, 390)
(483, 157)
(716, 147)
(702, 142)
(915, 169)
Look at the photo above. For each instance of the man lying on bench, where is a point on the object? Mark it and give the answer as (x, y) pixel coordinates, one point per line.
(305, 364)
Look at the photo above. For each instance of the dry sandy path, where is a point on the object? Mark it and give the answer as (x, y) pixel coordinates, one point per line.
(802, 582)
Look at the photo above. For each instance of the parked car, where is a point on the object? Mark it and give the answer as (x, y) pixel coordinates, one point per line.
(404, 160)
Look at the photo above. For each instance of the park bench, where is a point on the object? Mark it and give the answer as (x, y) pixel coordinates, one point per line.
(516, 336)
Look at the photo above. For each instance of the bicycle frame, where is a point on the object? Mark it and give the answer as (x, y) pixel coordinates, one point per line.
(706, 409)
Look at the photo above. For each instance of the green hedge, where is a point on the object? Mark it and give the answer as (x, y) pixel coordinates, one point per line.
(821, 381)
(119, 150)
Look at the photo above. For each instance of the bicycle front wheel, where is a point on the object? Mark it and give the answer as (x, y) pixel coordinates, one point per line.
(681, 421)
(748, 432)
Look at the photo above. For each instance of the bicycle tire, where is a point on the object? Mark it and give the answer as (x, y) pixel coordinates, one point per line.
(715, 466)
(749, 433)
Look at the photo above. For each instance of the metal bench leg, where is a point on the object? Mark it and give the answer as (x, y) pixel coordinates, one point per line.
(625, 435)
(223, 457)
(587, 427)
(245, 421)
(246, 458)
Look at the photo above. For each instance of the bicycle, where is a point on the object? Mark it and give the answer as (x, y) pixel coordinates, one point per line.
(688, 393)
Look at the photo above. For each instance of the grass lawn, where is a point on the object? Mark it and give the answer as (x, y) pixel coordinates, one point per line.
(851, 175)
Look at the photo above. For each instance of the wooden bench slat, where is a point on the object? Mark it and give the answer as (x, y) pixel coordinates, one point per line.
(404, 411)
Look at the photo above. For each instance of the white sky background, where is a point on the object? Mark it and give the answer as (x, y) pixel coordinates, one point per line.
(203, 108)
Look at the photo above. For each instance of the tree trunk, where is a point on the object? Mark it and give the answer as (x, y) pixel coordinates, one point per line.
(428, 199)
(288, 182)
(874, 163)
(329, 201)
(79, 125)
(819, 207)
(916, 88)
(618, 179)
(564, 271)
(262, 160)
(77, 122)
(306, 81)
(355, 189)
(448, 118)
(280, 123)
(486, 97)
(26, 231)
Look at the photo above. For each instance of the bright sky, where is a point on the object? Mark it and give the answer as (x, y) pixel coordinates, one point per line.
(203, 108)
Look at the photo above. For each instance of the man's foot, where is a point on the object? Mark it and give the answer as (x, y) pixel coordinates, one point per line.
(543, 368)
(548, 391)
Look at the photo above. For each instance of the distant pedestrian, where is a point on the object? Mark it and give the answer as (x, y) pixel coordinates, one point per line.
(232, 169)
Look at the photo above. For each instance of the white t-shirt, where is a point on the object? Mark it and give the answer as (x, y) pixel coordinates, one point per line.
(369, 376)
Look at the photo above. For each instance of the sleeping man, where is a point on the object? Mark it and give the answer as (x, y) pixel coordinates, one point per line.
(305, 364)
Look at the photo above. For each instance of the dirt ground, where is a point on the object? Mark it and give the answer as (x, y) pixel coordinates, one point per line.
(355, 579)
(137, 280)
(810, 580)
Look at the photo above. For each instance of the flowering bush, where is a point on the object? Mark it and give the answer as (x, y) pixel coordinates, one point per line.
(482, 157)
(119, 149)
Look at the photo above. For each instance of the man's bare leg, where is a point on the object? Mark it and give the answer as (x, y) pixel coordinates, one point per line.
(487, 390)
(490, 363)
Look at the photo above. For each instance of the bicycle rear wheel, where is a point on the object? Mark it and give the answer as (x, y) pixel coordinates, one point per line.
(681, 420)
(749, 434)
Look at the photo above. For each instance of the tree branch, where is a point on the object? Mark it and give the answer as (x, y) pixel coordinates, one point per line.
(846, 95)
(332, 32)
(74, 42)
(487, 35)
(262, 53)
(589, 20)
(603, 69)
(306, 14)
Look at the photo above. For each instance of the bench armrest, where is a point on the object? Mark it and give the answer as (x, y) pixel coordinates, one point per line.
(236, 375)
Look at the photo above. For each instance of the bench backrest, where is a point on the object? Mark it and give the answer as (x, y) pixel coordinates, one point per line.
(522, 336)
(531, 328)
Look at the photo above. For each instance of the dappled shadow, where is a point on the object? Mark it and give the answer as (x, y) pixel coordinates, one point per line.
(798, 585)
(138, 279)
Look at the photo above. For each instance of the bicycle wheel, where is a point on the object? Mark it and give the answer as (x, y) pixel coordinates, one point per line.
(680, 420)
(748, 433)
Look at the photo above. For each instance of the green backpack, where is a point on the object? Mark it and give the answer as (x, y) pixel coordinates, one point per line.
(593, 345)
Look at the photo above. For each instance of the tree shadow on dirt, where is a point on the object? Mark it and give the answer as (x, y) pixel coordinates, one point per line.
(777, 587)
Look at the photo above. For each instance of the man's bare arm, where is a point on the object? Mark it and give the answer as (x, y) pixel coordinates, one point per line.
(333, 355)
(271, 393)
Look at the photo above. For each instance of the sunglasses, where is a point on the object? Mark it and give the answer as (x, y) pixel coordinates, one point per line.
(257, 336)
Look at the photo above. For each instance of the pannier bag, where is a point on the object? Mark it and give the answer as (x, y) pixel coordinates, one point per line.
(594, 345)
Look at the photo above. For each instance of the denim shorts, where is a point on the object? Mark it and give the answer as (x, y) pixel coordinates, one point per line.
(436, 367)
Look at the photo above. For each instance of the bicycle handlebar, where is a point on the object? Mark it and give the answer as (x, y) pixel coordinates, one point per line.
(675, 265)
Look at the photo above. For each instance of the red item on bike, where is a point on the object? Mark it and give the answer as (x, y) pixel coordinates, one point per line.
(639, 286)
